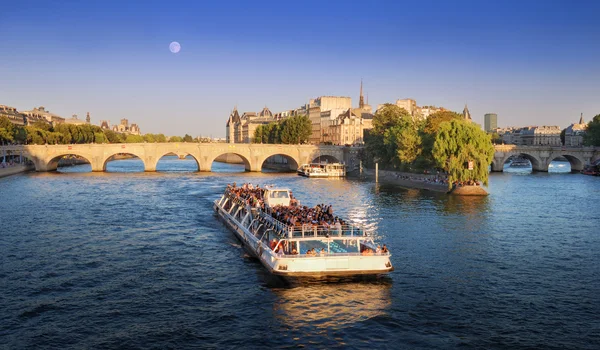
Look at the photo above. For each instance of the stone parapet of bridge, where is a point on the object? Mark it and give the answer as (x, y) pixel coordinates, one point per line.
(541, 156)
(46, 157)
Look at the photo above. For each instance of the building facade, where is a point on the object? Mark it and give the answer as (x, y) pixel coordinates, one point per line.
(41, 113)
(125, 128)
(13, 115)
(241, 129)
(490, 122)
(541, 136)
(574, 133)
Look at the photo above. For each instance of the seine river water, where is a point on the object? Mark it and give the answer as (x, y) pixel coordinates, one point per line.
(138, 260)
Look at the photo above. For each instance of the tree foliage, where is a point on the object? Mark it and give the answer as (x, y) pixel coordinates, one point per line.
(386, 143)
(292, 130)
(457, 143)
(592, 133)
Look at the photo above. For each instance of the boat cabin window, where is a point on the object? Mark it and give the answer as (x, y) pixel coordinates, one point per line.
(279, 194)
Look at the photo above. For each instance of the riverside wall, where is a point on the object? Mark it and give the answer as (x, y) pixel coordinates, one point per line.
(15, 169)
(419, 181)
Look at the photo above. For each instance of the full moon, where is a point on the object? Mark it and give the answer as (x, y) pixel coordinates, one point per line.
(174, 47)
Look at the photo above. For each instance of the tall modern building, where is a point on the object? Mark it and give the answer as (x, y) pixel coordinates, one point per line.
(490, 122)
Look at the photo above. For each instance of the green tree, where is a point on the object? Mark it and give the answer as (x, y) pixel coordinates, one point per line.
(149, 138)
(134, 139)
(99, 137)
(457, 143)
(65, 131)
(6, 136)
(188, 138)
(432, 123)
(42, 125)
(388, 116)
(160, 138)
(35, 136)
(295, 130)
(592, 133)
(113, 137)
(20, 134)
(562, 136)
(407, 142)
(258, 134)
(382, 141)
(175, 139)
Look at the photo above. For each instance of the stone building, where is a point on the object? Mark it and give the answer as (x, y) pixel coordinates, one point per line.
(42, 113)
(348, 128)
(240, 129)
(574, 133)
(540, 136)
(75, 121)
(409, 105)
(415, 111)
(125, 128)
(13, 115)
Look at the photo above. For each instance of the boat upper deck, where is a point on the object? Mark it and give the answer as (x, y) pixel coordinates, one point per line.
(295, 221)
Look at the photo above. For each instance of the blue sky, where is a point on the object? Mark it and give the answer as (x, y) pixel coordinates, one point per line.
(531, 62)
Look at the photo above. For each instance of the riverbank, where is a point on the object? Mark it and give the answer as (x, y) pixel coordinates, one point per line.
(15, 169)
(423, 182)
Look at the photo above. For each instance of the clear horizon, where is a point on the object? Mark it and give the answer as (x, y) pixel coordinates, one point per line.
(531, 63)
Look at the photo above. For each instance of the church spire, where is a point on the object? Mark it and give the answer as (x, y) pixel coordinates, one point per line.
(581, 119)
(361, 101)
(466, 113)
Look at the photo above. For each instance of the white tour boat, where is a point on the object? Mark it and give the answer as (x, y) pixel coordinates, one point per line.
(299, 250)
(322, 170)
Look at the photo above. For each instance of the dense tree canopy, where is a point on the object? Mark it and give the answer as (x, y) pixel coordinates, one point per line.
(40, 133)
(592, 133)
(443, 140)
(382, 142)
(292, 130)
(456, 144)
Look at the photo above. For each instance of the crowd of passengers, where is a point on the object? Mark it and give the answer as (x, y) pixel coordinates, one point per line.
(300, 217)
(295, 215)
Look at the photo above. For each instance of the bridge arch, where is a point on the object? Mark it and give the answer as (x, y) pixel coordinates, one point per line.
(577, 163)
(110, 157)
(180, 155)
(51, 164)
(536, 163)
(213, 158)
(292, 162)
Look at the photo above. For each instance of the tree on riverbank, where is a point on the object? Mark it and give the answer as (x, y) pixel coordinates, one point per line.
(456, 144)
(403, 142)
(292, 130)
(592, 133)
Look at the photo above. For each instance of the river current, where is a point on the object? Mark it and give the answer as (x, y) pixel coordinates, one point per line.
(127, 259)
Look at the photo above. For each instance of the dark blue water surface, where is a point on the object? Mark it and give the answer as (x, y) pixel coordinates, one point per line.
(138, 260)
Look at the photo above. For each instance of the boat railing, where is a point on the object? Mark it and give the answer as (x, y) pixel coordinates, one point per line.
(309, 230)
(325, 255)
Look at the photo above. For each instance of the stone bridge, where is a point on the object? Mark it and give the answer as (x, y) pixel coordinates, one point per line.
(46, 157)
(541, 156)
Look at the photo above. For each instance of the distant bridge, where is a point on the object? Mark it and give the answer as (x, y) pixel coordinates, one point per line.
(46, 157)
(541, 156)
